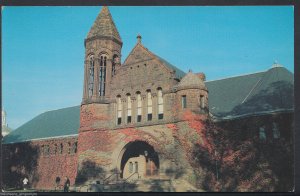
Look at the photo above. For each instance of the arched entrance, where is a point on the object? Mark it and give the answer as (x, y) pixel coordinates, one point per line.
(138, 159)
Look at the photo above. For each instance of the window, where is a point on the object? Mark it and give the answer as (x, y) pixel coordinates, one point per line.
(128, 108)
(130, 167)
(46, 150)
(119, 110)
(61, 148)
(69, 150)
(160, 104)
(183, 101)
(42, 149)
(136, 166)
(276, 132)
(139, 107)
(262, 134)
(55, 149)
(102, 75)
(202, 103)
(91, 75)
(74, 147)
(149, 105)
(149, 116)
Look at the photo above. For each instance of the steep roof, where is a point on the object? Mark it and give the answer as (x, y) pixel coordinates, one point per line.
(139, 52)
(104, 26)
(54, 123)
(255, 93)
(251, 94)
(178, 72)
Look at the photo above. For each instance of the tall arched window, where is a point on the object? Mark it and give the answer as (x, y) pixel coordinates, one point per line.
(149, 105)
(91, 75)
(160, 102)
(139, 107)
(102, 75)
(128, 108)
(119, 110)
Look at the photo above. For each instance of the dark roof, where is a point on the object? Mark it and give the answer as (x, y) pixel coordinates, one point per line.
(54, 123)
(178, 72)
(255, 93)
(104, 26)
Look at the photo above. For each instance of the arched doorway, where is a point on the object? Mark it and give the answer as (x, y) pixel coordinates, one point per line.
(138, 159)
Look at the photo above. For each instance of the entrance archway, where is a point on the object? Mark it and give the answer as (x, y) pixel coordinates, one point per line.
(140, 159)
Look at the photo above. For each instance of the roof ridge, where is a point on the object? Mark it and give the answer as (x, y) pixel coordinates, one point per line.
(255, 85)
(229, 77)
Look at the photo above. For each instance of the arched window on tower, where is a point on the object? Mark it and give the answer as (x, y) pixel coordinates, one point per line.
(149, 105)
(160, 104)
(139, 107)
(128, 108)
(119, 110)
(102, 75)
(91, 75)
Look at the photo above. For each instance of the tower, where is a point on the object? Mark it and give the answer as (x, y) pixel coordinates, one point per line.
(102, 58)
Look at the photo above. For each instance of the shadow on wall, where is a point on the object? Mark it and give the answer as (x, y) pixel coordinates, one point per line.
(19, 161)
(89, 171)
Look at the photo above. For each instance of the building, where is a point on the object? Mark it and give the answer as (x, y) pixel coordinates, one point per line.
(136, 118)
(5, 129)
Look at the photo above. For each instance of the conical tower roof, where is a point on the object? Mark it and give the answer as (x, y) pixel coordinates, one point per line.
(104, 26)
(191, 80)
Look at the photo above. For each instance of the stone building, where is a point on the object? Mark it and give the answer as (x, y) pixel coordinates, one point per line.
(125, 123)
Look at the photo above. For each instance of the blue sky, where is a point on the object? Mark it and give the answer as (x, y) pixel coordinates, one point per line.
(43, 50)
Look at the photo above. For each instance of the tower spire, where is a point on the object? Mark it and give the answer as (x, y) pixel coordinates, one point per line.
(104, 26)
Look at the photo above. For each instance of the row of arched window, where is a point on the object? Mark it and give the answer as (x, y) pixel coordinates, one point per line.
(102, 73)
(47, 150)
(139, 107)
(275, 132)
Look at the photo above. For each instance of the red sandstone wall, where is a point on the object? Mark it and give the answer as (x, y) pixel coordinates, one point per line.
(28, 159)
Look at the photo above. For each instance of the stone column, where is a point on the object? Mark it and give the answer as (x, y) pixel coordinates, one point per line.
(124, 113)
(108, 77)
(133, 109)
(154, 107)
(144, 107)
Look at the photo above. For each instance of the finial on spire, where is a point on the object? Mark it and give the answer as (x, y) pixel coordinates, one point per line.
(139, 38)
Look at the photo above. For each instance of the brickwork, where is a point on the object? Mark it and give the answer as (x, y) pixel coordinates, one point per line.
(41, 161)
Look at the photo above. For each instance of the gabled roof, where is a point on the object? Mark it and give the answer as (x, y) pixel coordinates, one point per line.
(140, 50)
(54, 123)
(178, 72)
(104, 26)
(251, 94)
